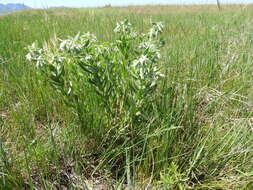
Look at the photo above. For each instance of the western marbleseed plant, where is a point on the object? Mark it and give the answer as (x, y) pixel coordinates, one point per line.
(123, 74)
(112, 82)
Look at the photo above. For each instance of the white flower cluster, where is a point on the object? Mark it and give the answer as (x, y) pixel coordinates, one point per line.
(36, 55)
(156, 29)
(142, 60)
(146, 72)
(125, 29)
(77, 43)
(152, 49)
(146, 64)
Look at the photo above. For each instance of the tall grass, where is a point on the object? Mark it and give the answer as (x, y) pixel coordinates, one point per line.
(196, 134)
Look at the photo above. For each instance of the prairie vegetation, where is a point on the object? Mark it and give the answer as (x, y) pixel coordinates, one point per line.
(171, 109)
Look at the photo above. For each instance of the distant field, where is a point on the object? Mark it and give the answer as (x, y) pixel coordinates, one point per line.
(185, 9)
(196, 133)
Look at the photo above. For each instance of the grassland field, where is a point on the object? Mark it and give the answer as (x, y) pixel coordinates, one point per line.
(198, 134)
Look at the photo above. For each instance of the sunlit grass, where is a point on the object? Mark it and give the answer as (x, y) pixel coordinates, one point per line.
(197, 134)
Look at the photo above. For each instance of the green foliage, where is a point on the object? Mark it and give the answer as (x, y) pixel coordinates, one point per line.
(109, 109)
(173, 179)
(124, 74)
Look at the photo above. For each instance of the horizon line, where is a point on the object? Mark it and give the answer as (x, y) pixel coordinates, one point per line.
(135, 4)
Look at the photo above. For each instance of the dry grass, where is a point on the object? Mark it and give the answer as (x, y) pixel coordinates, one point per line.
(176, 9)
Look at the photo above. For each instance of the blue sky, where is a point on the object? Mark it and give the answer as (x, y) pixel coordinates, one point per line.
(95, 3)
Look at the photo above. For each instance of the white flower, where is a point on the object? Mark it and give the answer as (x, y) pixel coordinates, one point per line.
(118, 28)
(29, 57)
(135, 62)
(156, 29)
(115, 48)
(63, 45)
(142, 60)
(70, 88)
(87, 57)
(60, 59)
(148, 46)
(153, 84)
(158, 55)
(133, 35)
(123, 27)
(152, 32)
(88, 36)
